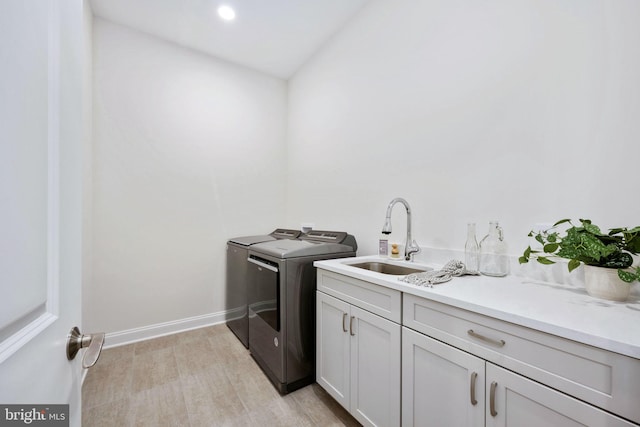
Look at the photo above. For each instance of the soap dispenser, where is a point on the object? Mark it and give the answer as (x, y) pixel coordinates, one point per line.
(493, 252)
(383, 245)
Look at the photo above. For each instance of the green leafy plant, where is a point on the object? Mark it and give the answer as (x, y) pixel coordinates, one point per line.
(589, 245)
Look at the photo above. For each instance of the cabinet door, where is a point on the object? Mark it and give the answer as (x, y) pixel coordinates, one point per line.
(332, 347)
(519, 402)
(375, 369)
(441, 385)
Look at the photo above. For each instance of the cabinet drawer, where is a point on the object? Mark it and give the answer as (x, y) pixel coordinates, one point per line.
(377, 299)
(608, 380)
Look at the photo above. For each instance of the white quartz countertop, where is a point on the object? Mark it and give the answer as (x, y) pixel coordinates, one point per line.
(560, 309)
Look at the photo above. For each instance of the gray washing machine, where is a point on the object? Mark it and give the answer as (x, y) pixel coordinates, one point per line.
(282, 293)
(236, 279)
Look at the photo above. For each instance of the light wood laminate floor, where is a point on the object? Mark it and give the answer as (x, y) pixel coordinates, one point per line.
(198, 378)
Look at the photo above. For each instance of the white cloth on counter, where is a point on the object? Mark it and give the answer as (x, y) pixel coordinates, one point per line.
(453, 268)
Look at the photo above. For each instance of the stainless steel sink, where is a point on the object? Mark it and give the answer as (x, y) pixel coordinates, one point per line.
(392, 269)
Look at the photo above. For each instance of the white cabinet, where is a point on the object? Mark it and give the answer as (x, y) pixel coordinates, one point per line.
(607, 380)
(375, 369)
(442, 385)
(515, 401)
(459, 367)
(358, 360)
(333, 349)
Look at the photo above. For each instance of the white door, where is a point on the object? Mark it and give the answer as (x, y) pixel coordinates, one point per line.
(441, 385)
(41, 143)
(513, 400)
(375, 369)
(332, 347)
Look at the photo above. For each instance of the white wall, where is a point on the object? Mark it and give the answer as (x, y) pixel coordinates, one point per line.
(521, 111)
(188, 151)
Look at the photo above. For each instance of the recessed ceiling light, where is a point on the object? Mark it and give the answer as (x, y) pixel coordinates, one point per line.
(227, 13)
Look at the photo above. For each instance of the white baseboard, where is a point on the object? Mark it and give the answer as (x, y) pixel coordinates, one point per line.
(116, 339)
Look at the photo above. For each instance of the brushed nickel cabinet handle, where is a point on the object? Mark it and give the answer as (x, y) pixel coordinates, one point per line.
(492, 399)
(472, 388)
(351, 325)
(344, 322)
(498, 343)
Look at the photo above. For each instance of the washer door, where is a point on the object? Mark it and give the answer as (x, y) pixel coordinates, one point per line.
(266, 332)
(264, 295)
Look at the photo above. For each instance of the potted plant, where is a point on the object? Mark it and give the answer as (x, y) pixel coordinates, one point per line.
(605, 255)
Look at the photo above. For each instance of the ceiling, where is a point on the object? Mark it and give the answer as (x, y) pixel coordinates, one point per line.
(272, 36)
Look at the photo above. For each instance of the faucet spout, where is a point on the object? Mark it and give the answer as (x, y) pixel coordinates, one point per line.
(411, 246)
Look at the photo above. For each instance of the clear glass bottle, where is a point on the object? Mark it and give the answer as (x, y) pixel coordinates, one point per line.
(493, 252)
(471, 249)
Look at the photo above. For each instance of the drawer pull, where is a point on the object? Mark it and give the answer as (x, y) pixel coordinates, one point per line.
(344, 322)
(492, 399)
(474, 377)
(500, 343)
(351, 326)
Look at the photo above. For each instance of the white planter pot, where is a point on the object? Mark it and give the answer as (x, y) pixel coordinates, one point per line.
(604, 283)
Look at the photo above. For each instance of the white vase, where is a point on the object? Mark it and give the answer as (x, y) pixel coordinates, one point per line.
(604, 283)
